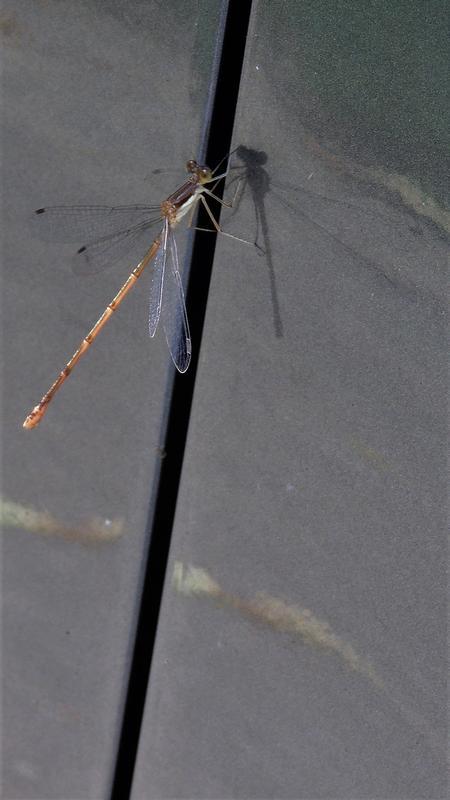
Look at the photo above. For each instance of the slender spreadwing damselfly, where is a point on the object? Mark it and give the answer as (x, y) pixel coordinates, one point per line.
(124, 230)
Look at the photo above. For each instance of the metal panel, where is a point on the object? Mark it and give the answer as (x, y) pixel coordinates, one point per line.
(301, 645)
(97, 95)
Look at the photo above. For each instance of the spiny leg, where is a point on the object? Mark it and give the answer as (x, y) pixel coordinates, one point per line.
(218, 199)
(216, 224)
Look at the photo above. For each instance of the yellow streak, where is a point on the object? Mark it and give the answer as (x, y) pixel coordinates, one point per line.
(94, 529)
(194, 581)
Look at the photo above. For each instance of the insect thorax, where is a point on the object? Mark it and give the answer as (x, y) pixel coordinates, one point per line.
(169, 210)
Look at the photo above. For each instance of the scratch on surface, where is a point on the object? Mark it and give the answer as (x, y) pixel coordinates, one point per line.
(93, 530)
(271, 611)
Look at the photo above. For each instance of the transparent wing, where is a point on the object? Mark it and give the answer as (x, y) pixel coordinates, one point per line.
(125, 232)
(86, 223)
(174, 315)
(131, 244)
(157, 282)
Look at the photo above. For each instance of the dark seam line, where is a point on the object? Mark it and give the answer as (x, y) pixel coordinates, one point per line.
(161, 521)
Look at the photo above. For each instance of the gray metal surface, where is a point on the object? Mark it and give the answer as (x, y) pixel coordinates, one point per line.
(302, 639)
(96, 96)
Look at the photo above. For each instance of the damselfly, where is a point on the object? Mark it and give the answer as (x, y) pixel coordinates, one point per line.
(124, 230)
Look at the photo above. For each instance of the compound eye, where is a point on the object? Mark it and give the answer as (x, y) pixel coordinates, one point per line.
(205, 172)
(191, 166)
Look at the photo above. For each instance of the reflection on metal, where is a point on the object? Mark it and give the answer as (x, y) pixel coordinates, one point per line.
(410, 194)
(92, 531)
(275, 613)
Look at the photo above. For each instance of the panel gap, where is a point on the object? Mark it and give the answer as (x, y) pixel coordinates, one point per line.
(219, 127)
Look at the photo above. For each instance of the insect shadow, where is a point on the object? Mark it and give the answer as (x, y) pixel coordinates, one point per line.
(256, 180)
